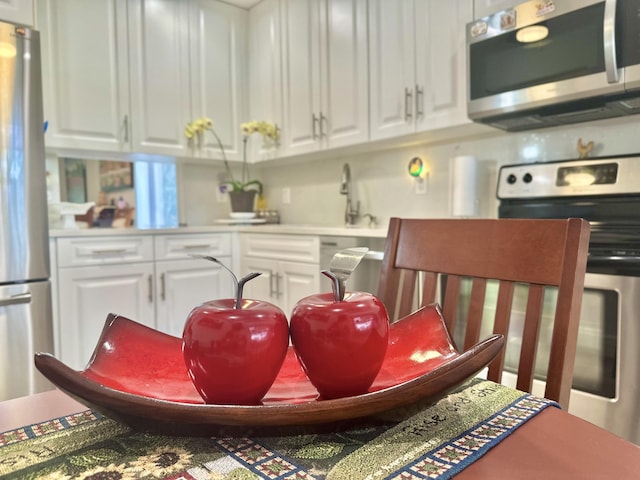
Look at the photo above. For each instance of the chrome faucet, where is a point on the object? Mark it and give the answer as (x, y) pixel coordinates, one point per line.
(350, 215)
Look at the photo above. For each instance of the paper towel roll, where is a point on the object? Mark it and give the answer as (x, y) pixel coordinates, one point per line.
(464, 170)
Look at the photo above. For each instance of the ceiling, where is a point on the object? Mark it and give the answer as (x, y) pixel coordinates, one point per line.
(243, 3)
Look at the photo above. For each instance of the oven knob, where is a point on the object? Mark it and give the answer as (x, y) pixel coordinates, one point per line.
(527, 178)
(511, 179)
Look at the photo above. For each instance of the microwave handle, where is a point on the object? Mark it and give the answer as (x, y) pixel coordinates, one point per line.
(609, 29)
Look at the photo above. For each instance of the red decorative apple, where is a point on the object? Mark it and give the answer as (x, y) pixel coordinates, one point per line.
(340, 342)
(234, 348)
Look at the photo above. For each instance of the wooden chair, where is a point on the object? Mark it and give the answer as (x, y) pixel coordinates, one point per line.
(538, 253)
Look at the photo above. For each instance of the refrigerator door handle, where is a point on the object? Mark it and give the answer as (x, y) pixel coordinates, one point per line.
(15, 299)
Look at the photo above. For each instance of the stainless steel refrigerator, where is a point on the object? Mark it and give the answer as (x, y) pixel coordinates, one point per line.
(25, 288)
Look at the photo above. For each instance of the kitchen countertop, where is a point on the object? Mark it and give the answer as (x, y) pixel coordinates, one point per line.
(289, 229)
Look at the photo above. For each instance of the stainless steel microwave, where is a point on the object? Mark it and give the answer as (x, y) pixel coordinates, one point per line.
(554, 62)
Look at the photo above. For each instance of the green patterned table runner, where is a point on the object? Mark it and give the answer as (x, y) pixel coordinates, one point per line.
(421, 442)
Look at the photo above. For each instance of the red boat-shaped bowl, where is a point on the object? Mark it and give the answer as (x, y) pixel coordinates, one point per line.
(137, 375)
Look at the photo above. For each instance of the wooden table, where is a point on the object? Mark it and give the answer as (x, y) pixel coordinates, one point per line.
(552, 445)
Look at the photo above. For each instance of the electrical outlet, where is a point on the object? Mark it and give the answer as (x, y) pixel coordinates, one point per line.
(420, 186)
(286, 196)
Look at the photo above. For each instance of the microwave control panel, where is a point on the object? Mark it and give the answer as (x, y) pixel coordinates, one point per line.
(606, 176)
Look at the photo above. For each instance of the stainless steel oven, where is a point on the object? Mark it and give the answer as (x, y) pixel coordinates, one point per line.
(605, 191)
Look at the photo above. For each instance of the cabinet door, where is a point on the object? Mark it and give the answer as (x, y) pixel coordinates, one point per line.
(441, 63)
(392, 67)
(296, 281)
(159, 76)
(182, 285)
(89, 294)
(344, 69)
(301, 76)
(265, 72)
(218, 51)
(17, 11)
(85, 73)
(263, 286)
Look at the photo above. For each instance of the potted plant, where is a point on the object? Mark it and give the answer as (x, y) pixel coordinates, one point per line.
(242, 191)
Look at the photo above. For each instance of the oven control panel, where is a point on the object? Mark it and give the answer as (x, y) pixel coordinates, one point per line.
(601, 176)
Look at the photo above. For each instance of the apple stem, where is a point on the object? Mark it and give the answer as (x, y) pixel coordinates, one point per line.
(337, 285)
(238, 283)
(240, 287)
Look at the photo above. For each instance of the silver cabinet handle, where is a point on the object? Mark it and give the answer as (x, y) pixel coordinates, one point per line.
(271, 284)
(274, 284)
(314, 120)
(609, 40)
(107, 251)
(328, 243)
(150, 281)
(419, 101)
(126, 128)
(162, 289)
(192, 247)
(278, 292)
(408, 95)
(16, 299)
(323, 119)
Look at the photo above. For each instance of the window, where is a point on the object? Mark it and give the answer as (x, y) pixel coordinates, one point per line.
(156, 195)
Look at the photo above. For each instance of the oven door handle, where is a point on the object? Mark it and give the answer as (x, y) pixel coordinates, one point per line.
(609, 41)
(613, 259)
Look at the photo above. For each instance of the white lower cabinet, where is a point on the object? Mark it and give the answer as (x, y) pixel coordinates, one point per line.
(182, 285)
(182, 282)
(150, 279)
(289, 267)
(281, 283)
(89, 294)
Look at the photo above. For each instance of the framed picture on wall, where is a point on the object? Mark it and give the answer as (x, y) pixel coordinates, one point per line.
(115, 176)
(75, 176)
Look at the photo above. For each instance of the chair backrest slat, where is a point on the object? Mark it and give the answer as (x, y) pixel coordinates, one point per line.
(537, 253)
(530, 336)
(501, 323)
(430, 287)
(474, 314)
(451, 302)
(407, 296)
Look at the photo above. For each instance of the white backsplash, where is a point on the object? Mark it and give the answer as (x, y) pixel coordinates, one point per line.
(381, 181)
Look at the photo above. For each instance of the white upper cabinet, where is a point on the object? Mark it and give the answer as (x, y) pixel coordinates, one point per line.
(128, 75)
(345, 69)
(324, 49)
(417, 65)
(85, 73)
(265, 72)
(17, 11)
(159, 80)
(301, 76)
(179, 59)
(218, 46)
(441, 67)
(392, 67)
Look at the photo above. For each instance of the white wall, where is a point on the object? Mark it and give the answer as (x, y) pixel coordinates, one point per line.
(383, 185)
